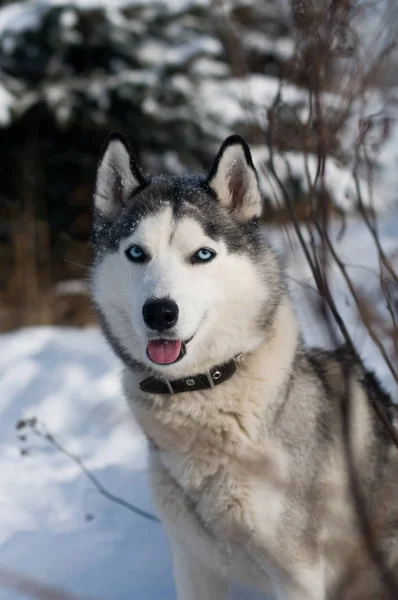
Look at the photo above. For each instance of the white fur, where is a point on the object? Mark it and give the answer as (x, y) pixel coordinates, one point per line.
(193, 579)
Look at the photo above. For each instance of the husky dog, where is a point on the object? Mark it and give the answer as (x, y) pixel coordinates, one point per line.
(268, 463)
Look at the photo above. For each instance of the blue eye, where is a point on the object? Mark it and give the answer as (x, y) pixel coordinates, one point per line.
(135, 254)
(203, 255)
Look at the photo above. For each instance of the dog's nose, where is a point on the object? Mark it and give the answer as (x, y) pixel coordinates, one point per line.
(160, 314)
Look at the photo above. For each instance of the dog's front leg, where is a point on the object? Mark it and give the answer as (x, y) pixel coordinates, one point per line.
(193, 580)
(196, 561)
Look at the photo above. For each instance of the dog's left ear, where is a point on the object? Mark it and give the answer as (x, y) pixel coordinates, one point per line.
(117, 176)
(234, 179)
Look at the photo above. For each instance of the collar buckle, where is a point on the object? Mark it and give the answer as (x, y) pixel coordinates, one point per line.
(210, 379)
(169, 386)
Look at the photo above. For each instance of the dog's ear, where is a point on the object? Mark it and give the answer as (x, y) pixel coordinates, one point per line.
(117, 176)
(234, 179)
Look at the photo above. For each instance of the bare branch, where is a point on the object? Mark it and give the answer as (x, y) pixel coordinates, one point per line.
(39, 430)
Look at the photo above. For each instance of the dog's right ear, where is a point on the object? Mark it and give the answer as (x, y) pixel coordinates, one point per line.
(117, 176)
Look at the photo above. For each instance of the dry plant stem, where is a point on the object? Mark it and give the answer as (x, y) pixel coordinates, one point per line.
(380, 412)
(384, 262)
(390, 309)
(358, 302)
(372, 228)
(98, 485)
(319, 209)
(323, 289)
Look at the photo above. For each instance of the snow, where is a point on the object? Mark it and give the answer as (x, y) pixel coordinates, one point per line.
(283, 47)
(69, 380)
(155, 52)
(55, 527)
(21, 16)
(220, 103)
(339, 179)
(68, 18)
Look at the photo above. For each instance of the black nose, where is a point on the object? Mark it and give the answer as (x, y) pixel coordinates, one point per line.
(160, 314)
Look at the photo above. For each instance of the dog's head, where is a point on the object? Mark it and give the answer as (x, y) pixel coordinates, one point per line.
(182, 279)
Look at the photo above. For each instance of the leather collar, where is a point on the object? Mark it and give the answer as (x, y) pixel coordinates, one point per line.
(203, 381)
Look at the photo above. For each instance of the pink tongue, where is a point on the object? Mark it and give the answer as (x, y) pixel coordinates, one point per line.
(163, 352)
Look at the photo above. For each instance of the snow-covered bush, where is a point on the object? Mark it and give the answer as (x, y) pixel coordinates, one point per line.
(176, 77)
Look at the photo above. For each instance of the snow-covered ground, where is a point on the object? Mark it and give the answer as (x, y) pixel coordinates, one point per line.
(54, 525)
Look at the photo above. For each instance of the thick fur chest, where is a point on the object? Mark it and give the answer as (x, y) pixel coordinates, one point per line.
(211, 439)
(217, 470)
(229, 501)
(234, 516)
